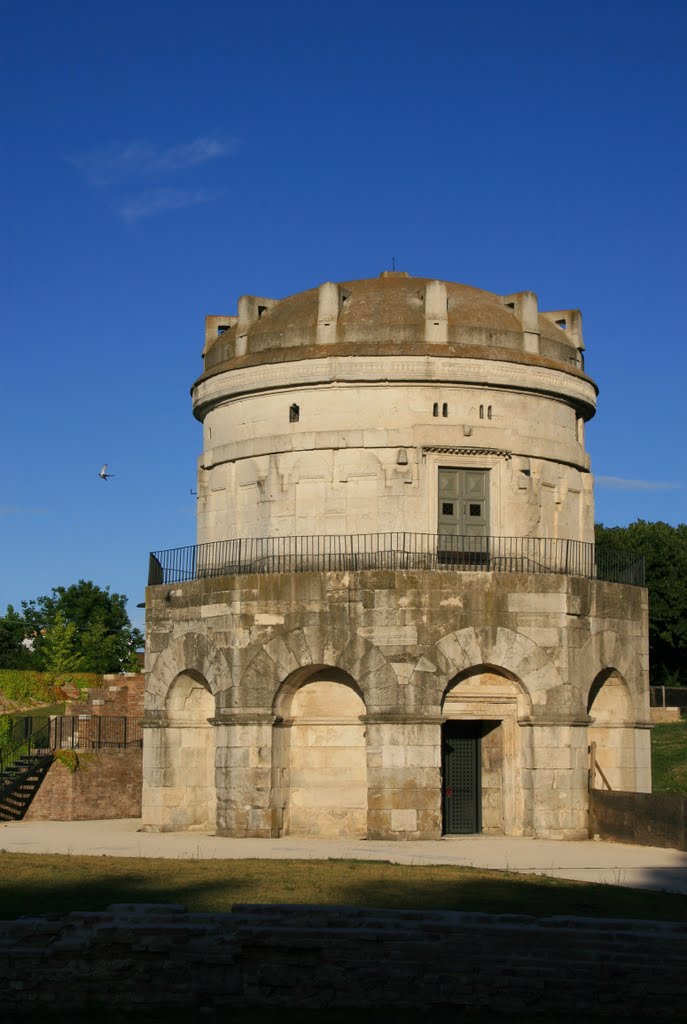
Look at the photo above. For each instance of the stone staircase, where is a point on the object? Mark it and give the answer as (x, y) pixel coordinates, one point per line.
(19, 783)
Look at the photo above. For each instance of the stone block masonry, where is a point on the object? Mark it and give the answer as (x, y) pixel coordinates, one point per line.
(645, 819)
(158, 957)
(106, 784)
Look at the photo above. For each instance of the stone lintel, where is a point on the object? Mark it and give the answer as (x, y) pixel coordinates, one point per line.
(225, 717)
(556, 720)
(398, 718)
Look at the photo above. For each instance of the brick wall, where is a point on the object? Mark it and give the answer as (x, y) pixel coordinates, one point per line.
(323, 957)
(647, 819)
(107, 784)
(118, 695)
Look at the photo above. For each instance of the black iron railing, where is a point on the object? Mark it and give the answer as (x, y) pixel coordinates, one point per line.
(33, 735)
(398, 551)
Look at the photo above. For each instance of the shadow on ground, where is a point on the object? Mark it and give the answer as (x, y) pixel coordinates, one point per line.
(32, 884)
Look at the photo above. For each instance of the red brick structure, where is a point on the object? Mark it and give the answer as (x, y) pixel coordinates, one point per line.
(106, 784)
(119, 695)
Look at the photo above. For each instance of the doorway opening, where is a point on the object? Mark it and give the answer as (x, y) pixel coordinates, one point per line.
(461, 777)
(463, 515)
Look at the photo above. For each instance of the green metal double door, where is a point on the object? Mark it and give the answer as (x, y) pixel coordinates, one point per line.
(461, 782)
(463, 511)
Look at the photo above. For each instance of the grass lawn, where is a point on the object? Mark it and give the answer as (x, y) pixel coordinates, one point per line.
(40, 884)
(669, 757)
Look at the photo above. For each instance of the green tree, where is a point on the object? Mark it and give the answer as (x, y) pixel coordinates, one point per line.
(13, 652)
(104, 638)
(665, 550)
(60, 649)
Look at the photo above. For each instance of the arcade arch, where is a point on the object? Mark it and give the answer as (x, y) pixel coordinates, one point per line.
(320, 766)
(189, 778)
(611, 729)
(485, 753)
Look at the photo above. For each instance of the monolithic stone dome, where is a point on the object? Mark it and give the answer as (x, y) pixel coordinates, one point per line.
(394, 314)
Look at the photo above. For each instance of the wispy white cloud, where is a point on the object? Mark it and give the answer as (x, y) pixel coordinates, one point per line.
(617, 483)
(161, 200)
(22, 510)
(120, 161)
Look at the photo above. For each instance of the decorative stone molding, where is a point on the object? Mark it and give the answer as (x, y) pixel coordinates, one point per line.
(401, 369)
(442, 449)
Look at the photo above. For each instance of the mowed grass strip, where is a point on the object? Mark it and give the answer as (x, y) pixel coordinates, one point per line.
(669, 757)
(32, 884)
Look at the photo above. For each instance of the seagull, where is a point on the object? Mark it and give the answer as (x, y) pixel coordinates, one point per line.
(103, 474)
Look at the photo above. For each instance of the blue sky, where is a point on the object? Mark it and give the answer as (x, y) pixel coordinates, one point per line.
(160, 158)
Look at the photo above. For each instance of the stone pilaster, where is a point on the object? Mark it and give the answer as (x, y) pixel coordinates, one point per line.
(560, 764)
(403, 776)
(243, 775)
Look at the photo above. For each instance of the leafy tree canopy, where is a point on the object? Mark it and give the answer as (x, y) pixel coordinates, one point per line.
(665, 550)
(13, 653)
(81, 628)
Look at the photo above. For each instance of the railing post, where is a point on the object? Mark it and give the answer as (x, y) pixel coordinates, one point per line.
(592, 765)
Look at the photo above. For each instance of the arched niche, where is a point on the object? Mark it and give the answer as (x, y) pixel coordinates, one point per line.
(320, 773)
(612, 730)
(495, 701)
(189, 771)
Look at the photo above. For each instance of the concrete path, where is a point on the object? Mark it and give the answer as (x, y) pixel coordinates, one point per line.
(641, 867)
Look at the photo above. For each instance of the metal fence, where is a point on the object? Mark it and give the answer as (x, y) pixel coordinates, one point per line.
(44, 733)
(398, 551)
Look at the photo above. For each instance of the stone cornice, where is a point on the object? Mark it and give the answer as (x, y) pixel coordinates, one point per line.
(496, 373)
(443, 449)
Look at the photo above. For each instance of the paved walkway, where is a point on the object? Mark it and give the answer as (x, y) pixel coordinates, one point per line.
(641, 867)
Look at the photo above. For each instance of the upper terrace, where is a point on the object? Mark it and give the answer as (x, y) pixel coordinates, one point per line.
(396, 551)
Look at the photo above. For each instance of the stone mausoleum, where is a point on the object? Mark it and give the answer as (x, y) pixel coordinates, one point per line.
(394, 623)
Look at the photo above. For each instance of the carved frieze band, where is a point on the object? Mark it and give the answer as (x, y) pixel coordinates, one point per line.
(409, 369)
(465, 450)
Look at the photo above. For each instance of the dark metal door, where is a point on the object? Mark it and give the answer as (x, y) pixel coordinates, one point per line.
(463, 521)
(461, 778)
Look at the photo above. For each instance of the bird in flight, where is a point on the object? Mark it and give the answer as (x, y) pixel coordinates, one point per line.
(103, 474)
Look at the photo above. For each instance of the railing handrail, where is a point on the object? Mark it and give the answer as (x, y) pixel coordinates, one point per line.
(42, 734)
(395, 550)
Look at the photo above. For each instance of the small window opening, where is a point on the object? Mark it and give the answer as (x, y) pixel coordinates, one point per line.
(294, 413)
(562, 324)
(510, 305)
(222, 328)
(435, 409)
(481, 412)
(261, 310)
(488, 412)
(444, 409)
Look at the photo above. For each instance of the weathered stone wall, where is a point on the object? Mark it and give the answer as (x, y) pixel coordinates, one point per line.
(646, 819)
(106, 784)
(343, 957)
(533, 652)
(336, 471)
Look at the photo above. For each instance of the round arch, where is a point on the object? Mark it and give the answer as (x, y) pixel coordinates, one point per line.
(486, 702)
(611, 731)
(319, 754)
(188, 755)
